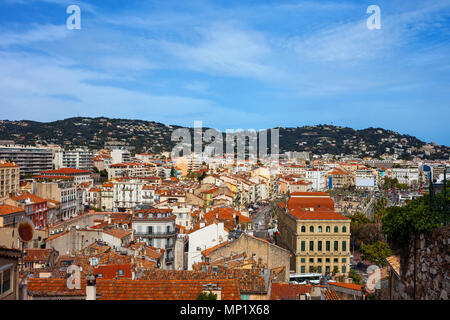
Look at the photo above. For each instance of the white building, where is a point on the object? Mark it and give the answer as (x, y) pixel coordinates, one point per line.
(156, 227)
(317, 178)
(407, 176)
(204, 238)
(120, 156)
(365, 179)
(78, 158)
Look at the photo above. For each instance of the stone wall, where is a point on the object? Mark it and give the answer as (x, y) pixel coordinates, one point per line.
(432, 267)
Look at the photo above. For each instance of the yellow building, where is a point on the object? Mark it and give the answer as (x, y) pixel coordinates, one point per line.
(9, 178)
(317, 236)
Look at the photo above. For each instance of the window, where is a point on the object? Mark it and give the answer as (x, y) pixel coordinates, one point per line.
(319, 260)
(344, 245)
(302, 269)
(6, 280)
(100, 275)
(320, 229)
(120, 272)
(336, 230)
(327, 260)
(311, 260)
(311, 229)
(319, 269)
(344, 229)
(327, 229)
(344, 269)
(311, 269)
(319, 245)
(336, 246)
(303, 229)
(302, 260)
(303, 245)
(311, 246)
(335, 260)
(344, 260)
(327, 245)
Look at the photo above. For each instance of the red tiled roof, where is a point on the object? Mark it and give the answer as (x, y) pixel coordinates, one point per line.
(118, 233)
(288, 291)
(208, 251)
(111, 271)
(65, 171)
(352, 286)
(317, 215)
(135, 289)
(34, 198)
(41, 255)
(8, 165)
(6, 209)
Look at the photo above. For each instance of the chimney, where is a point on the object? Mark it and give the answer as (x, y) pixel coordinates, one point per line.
(91, 291)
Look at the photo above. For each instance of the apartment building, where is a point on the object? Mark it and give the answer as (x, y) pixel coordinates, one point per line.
(120, 156)
(409, 176)
(317, 236)
(9, 178)
(107, 196)
(337, 178)
(78, 176)
(132, 169)
(366, 179)
(317, 177)
(35, 208)
(62, 190)
(10, 216)
(78, 158)
(31, 160)
(156, 227)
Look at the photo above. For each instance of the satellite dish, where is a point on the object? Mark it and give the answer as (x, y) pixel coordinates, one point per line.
(26, 230)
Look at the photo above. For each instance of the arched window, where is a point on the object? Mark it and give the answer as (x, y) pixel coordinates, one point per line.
(336, 230)
(303, 229)
(311, 229)
(327, 229)
(344, 229)
(320, 229)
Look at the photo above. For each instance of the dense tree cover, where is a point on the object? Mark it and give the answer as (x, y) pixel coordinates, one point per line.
(417, 216)
(148, 136)
(376, 252)
(363, 230)
(391, 183)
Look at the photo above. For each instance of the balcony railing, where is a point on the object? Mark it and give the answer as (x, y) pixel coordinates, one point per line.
(155, 234)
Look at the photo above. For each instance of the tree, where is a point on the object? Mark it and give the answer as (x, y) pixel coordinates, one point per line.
(335, 270)
(401, 223)
(207, 296)
(358, 218)
(376, 252)
(363, 230)
(356, 277)
(379, 209)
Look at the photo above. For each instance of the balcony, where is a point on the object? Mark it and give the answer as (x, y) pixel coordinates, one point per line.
(169, 260)
(169, 245)
(155, 234)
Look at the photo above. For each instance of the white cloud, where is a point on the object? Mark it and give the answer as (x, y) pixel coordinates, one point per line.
(39, 33)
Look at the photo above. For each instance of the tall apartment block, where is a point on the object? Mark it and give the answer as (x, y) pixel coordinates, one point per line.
(78, 159)
(31, 160)
(9, 178)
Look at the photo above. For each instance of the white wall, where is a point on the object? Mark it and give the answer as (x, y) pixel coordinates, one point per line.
(205, 238)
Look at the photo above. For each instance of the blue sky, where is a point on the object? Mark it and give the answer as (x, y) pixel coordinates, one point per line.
(230, 64)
